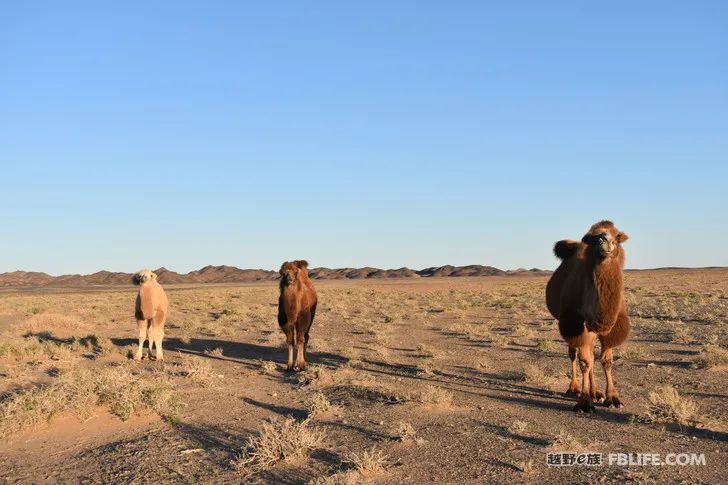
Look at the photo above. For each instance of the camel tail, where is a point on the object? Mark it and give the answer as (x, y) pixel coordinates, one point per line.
(565, 249)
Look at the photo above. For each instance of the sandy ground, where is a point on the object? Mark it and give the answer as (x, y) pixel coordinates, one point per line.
(430, 381)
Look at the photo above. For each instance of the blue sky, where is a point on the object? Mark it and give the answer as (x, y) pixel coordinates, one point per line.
(180, 134)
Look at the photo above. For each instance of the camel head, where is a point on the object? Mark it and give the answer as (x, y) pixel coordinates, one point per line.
(143, 276)
(604, 240)
(291, 270)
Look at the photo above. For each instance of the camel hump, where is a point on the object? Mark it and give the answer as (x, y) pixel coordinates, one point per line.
(565, 249)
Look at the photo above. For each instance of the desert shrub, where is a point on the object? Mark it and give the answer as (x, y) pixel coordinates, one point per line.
(267, 366)
(123, 392)
(318, 404)
(405, 431)
(711, 356)
(278, 440)
(546, 345)
(198, 370)
(566, 442)
(667, 406)
(533, 374)
(632, 352)
(518, 426)
(368, 462)
(436, 396)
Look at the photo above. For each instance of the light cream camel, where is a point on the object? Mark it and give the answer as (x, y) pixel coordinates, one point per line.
(150, 312)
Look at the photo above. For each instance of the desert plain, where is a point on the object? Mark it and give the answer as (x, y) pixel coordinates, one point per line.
(411, 380)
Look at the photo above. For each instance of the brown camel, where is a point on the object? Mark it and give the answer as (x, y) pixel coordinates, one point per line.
(296, 309)
(150, 312)
(586, 295)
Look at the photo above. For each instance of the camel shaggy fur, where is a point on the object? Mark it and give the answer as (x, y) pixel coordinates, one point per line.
(150, 312)
(586, 295)
(296, 309)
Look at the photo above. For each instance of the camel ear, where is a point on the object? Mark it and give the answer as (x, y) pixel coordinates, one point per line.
(589, 239)
(622, 237)
(303, 264)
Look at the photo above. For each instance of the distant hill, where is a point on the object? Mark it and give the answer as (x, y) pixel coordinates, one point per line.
(231, 274)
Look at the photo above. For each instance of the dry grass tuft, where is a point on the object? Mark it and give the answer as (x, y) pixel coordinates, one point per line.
(404, 431)
(80, 389)
(518, 426)
(632, 352)
(216, 352)
(319, 404)
(34, 348)
(427, 351)
(55, 322)
(436, 396)
(267, 366)
(312, 373)
(198, 370)
(278, 440)
(534, 375)
(546, 345)
(711, 356)
(368, 462)
(425, 369)
(565, 442)
(666, 406)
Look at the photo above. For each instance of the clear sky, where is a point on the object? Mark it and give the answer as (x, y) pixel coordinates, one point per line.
(412, 133)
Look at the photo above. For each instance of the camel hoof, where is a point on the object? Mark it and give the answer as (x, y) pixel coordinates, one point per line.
(290, 368)
(598, 396)
(572, 392)
(613, 402)
(585, 406)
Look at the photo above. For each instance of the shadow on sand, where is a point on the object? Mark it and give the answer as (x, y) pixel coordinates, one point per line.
(243, 353)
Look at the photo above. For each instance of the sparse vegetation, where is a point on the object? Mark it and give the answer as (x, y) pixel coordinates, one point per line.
(79, 390)
(566, 442)
(534, 374)
(198, 369)
(267, 366)
(632, 351)
(405, 431)
(318, 404)
(547, 345)
(711, 356)
(368, 462)
(484, 396)
(278, 440)
(667, 406)
(518, 426)
(216, 352)
(436, 396)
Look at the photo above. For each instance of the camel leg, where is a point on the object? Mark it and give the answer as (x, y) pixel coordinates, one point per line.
(289, 340)
(305, 347)
(158, 333)
(574, 384)
(612, 399)
(142, 327)
(300, 359)
(596, 394)
(302, 326)
(586, 359)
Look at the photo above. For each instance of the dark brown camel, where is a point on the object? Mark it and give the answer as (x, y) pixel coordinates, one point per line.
(586, 295)
(296, 309)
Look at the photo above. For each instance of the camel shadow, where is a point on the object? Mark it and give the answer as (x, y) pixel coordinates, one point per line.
(297, 414)
(244, 353)
(475, 380)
